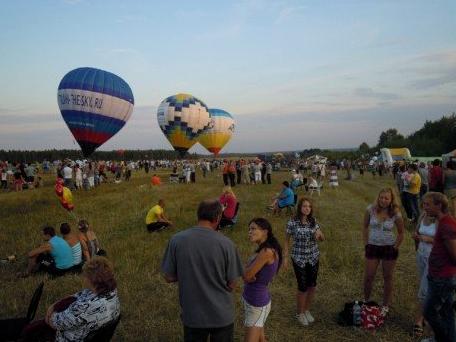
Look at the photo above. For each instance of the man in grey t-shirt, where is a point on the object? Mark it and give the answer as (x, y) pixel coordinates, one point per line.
(206, 265)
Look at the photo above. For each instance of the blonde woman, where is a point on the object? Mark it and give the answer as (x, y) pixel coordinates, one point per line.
(229, 203)
(381, 244)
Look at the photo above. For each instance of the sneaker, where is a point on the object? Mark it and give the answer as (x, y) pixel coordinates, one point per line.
(302, 319)
(309, 317)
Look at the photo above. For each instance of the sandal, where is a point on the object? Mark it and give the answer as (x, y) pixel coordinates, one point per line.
(418, 330)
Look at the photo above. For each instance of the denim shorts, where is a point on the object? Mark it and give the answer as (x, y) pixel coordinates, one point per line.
(255, 316)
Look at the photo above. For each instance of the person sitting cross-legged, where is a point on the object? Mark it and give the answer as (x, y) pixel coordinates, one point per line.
(54, 256)
(156, 219)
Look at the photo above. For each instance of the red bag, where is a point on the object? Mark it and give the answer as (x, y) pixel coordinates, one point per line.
(371, 316)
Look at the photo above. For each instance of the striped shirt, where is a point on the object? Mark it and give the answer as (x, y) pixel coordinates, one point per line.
(76, 251)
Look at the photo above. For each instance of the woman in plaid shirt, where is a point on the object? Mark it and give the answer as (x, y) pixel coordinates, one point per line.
(305, 232)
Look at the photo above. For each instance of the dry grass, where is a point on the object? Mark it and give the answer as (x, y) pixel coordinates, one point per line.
(150, 309)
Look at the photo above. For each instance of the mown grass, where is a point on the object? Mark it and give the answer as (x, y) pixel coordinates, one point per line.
(150, 309)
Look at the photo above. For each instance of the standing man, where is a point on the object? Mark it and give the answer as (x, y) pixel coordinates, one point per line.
(269, 172)
(438, 307)
(206, 265)
(68, 176)
(156, 219)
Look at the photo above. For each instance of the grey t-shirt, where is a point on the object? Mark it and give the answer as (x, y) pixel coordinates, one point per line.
(204, 261)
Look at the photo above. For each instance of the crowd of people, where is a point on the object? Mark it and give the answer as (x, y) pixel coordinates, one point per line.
(207, 272)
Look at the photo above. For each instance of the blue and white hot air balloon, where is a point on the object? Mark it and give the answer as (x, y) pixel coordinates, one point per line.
(95, 105)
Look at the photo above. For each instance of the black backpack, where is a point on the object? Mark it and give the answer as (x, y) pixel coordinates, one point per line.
(345, 317)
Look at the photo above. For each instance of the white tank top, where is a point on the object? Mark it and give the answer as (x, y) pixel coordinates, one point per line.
(427, 230)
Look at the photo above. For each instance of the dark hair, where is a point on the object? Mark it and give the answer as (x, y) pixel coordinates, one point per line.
(451, 165)
(48, 230)
(83, 226)
(436, 162)
(65, 228)
(209, 210)
(299, 215)
(286, 184)
(413, 167)
(271, 241)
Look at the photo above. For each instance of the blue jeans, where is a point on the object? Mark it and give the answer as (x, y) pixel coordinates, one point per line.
(438, 308)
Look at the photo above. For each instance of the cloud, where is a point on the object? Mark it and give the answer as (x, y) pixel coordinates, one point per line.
(431, 70)
(370, 93)
(287, 12)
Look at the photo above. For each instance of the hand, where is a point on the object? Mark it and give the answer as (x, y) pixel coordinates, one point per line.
(416, 236)
(48, 315)
(319, 235)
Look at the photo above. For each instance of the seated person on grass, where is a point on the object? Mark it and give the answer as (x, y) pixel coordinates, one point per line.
(156, 219)
(53, 256)
(89, 242)
(74, 242)
(229, 202)
(284, 199)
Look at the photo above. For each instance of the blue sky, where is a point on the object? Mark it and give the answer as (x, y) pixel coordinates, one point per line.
(294, 74)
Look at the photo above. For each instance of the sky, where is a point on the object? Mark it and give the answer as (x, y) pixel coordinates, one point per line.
(294, 74)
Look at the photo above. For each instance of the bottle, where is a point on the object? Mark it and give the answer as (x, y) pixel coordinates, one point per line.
(356, 314)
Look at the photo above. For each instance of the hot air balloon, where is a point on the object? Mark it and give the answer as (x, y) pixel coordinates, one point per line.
(182, 118)
(95, 105)
(220, 132)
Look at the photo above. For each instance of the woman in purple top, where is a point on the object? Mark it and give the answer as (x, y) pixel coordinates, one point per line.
(260, 269)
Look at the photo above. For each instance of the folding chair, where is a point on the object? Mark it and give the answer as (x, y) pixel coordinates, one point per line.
(10, 329)
(317, 189)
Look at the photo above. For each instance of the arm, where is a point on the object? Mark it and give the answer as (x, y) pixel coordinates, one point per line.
(285, 250)
(170, 278)
(70, 318)
(319, 236)
(232, 285)
(400, 232)
(85, 249)
(366, 227)
(44, 248)
(451, 248)
(265, 256)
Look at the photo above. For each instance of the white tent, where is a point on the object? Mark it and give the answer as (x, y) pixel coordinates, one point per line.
(448, 156)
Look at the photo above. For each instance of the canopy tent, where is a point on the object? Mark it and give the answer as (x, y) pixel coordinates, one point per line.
(317, 158)
(448, 156)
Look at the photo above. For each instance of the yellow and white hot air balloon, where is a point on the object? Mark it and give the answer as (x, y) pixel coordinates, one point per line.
(182, 118)
(219, 132)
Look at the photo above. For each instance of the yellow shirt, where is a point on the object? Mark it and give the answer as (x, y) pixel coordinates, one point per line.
(415, 184)
(153, 214)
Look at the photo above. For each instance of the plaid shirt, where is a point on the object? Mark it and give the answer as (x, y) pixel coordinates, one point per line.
(305, 248)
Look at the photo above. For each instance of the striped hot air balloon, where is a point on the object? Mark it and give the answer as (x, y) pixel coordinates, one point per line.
(182, 118)
(95, 105)
(220, 131)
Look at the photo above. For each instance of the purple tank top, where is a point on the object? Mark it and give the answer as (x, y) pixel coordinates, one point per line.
(257, 293)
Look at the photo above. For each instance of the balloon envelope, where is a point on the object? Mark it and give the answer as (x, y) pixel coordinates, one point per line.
(95, 105)
(220, 131)
(182, 118)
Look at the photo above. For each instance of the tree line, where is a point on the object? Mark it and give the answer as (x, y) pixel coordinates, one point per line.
(433, 139)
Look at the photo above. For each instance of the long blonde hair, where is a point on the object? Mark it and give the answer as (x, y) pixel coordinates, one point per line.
(393, 208)
(227, 190)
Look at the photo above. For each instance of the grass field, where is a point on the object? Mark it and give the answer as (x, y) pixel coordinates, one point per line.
(150, 309)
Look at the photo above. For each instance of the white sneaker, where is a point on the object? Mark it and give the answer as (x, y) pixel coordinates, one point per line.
(309, 317)
(302, 319)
